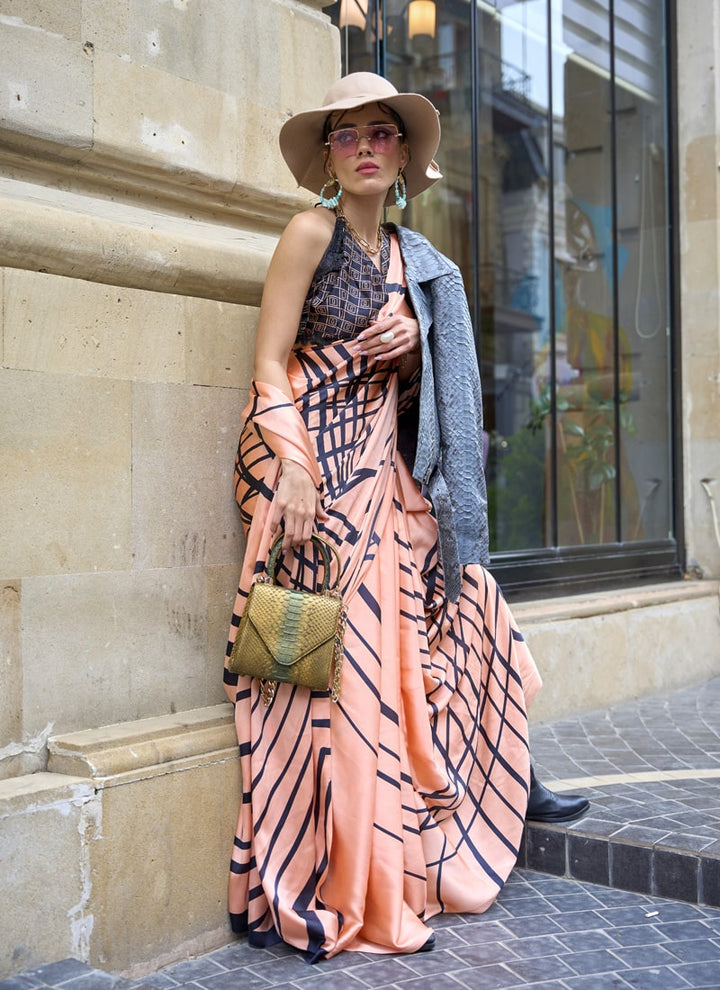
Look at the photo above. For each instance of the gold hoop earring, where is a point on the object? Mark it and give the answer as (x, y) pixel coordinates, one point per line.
(331, 202)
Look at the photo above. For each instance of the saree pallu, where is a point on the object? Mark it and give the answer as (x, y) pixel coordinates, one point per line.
(362, 820)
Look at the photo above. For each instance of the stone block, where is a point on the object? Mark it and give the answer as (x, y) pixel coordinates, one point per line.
(701, 409)
(170, 791)
(152, 118)
(64, 474)
(47, 82)
(599, 650)
(261, 166)
(48, 822)
(67, 325)
(161, 871)
(301, 89)
(102, 647)
(107, 26)
(184, 444)
(53, 18)
(200, 42)
(699, 280)
(700, 193)
(220, 341)
(696, 43)
(81, 236)
(221, 591)
(702, 462)
(123, 752)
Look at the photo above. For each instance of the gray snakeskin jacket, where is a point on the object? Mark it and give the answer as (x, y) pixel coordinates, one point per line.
(443, 444)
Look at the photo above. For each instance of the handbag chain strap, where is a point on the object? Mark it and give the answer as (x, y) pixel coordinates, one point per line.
(338, 654)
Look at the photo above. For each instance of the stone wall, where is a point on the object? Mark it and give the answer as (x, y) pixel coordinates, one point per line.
(141, 194)
(698, 185)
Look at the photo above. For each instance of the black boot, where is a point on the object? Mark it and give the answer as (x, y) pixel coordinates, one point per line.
(546, 806)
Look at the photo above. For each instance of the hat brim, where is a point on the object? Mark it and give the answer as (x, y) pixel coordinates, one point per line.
(302, 147)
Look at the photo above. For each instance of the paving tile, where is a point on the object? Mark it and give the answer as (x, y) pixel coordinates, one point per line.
(696, 950)
(94, 980)
(55, 974)
(476, 980)
(631, 867)
(284, 968)
(588, 859)
(705, 974)
(595, 962)
(638, 935)
(686, 930)
(573, 901)
(660, 978)
(710, 881)
(18, 983)
(483, 931)
(545, 850)
(529, 907)
(645, 956)
(229, 980)
(154, 981)
(444, 959)
(540, 925)
(547, 930)
(551, 967)
(318, 979)
(675, 875)
(538, 945)
(605, 981)
(482, 954)
(545, 985)
(383, 970)
(585, 941)
(194, 970)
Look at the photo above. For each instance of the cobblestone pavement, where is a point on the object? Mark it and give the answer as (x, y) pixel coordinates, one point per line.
(652, 771)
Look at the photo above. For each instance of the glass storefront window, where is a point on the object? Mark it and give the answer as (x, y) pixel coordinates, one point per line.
(555, 207)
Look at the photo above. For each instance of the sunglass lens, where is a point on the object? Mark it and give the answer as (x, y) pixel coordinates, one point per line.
(381, 137)
(345, 141)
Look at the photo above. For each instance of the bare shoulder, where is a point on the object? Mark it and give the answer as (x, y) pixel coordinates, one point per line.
(308, 234)
(298, 254)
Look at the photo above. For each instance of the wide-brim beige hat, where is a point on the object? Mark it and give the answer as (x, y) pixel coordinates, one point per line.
(302, 136)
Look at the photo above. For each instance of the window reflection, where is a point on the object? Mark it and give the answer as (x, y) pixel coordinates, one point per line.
(554, 207)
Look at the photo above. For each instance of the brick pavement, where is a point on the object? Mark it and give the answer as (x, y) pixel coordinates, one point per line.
(652, 770)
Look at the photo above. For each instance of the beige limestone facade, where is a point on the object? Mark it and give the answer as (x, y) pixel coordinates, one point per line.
(141, 196)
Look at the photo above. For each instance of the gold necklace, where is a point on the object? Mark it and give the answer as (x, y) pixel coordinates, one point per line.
(365, 245)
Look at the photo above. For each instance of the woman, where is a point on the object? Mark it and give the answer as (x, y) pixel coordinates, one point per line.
(361, 820)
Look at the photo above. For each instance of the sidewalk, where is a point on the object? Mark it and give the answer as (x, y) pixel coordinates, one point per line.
(652, 772)
(588, 921)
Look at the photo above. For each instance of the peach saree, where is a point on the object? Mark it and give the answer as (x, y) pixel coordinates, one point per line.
(362, 820)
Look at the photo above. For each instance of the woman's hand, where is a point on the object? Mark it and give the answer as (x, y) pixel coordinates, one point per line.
(298, 503)
(393, 337)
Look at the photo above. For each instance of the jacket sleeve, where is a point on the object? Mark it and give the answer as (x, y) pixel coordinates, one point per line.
(458, 400)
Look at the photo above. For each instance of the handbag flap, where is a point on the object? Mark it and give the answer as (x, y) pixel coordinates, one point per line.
(291, 623)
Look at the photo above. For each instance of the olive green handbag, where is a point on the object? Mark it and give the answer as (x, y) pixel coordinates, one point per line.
(290, 635)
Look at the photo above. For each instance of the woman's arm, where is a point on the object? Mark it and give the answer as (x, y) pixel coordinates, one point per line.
(296, 257)
(296, 503)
